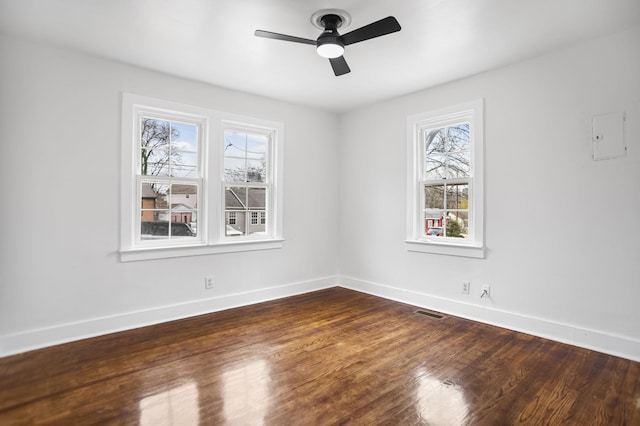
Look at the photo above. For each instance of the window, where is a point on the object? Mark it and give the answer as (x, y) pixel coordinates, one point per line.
(197, 181)
(247, 176)
(445, 181)
(168, 170)
(231, 218)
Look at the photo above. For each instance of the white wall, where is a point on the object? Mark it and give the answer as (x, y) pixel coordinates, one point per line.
(60, 273)
(562, 230)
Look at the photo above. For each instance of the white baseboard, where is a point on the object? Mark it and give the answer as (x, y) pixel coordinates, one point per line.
(621, 346)
(35, 339)
(611, 344)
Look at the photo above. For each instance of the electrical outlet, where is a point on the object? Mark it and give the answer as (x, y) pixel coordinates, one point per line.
(486, 291)
(208, 283)
(465, 287)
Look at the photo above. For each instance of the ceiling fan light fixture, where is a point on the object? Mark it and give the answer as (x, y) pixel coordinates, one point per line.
(330, 44)
(330, 50)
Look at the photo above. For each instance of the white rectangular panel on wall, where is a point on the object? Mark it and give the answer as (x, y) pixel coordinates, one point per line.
(608, 136)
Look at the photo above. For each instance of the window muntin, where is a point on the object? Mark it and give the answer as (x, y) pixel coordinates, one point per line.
(445, 184)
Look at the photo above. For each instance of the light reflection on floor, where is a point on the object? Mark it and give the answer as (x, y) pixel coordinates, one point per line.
(177, 406)
(439, 402)
(245, 392)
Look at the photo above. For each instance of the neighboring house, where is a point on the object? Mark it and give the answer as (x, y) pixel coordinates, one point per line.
(184, 194)
(245, 209)
(184, 201)
(183, 204)
(148, 201)
(434, 218)
(181, 213)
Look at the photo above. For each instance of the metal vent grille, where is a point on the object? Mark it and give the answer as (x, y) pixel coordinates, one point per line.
(431, 314)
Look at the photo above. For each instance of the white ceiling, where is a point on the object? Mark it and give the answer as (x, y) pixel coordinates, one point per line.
(213, 41)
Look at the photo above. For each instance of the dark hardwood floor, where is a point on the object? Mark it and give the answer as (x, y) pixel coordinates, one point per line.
(331, 357)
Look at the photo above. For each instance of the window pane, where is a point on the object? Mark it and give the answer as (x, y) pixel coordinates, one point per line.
(256, 147)
(155, 137)
(435, 141)
(184, 196)
(179, 229)
(234, 169)
(184, 137)
(235, 160)
(162, 195)
(182, 216)
(235, 142)
(245, 157)
(237, 229)
(458, 196)
(256, 171)
(184, 201)
(459, 164)
(434, 222)
(235, 198)
(434, 197)
(148, 200)
(231, 218)
(435, 166)
(257, 198)
(154, 195)
(447, 153)
(458, 137)
(155, 229)
(168, 148)
(185, 164)
(154, 161)
(457, 224)
(255, 225)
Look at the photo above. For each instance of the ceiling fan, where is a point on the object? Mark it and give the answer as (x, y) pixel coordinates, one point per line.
(330, 44)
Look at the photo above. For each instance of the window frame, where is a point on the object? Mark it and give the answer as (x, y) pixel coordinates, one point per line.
(211, 238)
(172, 116)
(417, 125)
(267, 185)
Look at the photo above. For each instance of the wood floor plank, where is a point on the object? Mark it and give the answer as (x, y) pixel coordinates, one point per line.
(331, 357)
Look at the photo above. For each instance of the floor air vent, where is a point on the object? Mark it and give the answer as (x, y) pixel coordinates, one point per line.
(429, 314)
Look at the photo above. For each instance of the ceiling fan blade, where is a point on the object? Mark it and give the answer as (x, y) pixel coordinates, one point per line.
(379, 28)
(284, 37)
(339, 66)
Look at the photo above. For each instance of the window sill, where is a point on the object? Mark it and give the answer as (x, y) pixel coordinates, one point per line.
(446, 248)
(132, 255)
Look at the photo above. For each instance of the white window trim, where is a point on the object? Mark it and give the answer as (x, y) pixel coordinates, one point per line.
(211, 199)
(416, 241)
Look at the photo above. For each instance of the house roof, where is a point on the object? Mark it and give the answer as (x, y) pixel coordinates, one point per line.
(180, 207)
(148, 192)
(433, 213)
(183, 189)
(238, 198)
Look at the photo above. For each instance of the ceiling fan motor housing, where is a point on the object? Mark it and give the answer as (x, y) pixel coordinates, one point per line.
(329, 44)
